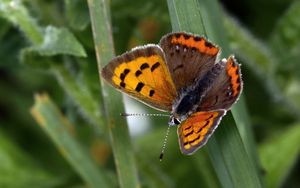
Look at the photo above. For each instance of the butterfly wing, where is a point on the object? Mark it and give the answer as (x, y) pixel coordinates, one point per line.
(142, 73)
(226, 88)
(188, 57)
(194, 132)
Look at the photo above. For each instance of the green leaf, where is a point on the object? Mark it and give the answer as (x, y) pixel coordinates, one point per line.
(16, 13)
(279, 153)
(233, 156)
(118, 130)
(50, 55)
(59, 129)
(58, 41)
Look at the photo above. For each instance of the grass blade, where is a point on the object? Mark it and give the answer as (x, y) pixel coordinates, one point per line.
(233, 156)
(58, 128)
(17, 164)
(117, 127)
(16, 13)
(279, 153)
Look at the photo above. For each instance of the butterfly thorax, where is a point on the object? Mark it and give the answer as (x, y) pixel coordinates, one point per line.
(190, 98)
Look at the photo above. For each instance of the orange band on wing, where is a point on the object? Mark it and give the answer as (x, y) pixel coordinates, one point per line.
(195, 42)
(233, 71)
(195, 130)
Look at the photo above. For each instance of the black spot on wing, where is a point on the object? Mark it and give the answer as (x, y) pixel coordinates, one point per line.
(151, 93)
(138, 73)
(177, 35)
(207, 122)
(197, 138)
(187, 128)
(155, 66)
(208, 44)
(209, 117)
(192, 141)
(189, 133)
(122, 84)
(186, 37)
(124, 74)
(185, 143)
(197, 38)
(144, 66)
(139, 86)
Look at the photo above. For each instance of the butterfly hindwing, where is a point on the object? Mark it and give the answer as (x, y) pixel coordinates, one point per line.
(194, 132)
(142, 73)
(226, 88)
(188, 57)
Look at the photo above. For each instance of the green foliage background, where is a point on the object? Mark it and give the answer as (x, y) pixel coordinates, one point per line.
(59, 127)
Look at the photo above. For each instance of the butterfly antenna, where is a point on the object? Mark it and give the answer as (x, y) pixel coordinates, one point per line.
(141, 114)
(203, 26)
(164, 144)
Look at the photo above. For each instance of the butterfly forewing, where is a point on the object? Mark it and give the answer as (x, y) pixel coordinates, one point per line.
(226, 88)
(194, 132)
(188, 57)
(142, 73)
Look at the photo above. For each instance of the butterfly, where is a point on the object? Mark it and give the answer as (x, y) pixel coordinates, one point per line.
(182, 75)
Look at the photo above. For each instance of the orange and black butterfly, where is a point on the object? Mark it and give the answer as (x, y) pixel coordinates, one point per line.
(183, 76)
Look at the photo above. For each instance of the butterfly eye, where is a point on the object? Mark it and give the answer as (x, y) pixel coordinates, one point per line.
(174, 121)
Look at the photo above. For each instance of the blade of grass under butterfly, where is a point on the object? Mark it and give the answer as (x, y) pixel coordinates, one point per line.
(117, 127)
(232, 153)
(59, 129)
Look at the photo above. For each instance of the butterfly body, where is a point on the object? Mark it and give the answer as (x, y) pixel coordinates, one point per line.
(189, 100)
(182, 76)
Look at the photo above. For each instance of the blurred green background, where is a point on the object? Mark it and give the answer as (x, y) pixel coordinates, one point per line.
(47, 60)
